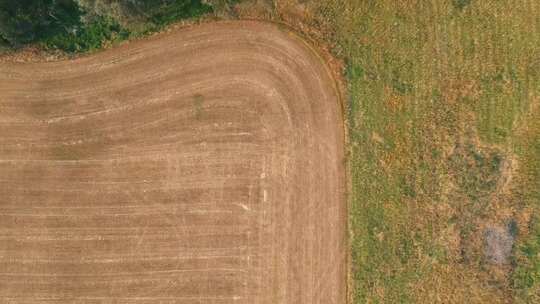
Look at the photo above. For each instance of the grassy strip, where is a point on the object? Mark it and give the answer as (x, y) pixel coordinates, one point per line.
(526, 275)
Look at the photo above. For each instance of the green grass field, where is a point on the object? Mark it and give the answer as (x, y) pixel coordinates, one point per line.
(444, 118)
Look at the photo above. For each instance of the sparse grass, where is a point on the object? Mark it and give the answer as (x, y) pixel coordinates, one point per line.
(198, 101)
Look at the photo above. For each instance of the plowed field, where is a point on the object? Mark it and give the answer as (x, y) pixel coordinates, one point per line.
(205, 165)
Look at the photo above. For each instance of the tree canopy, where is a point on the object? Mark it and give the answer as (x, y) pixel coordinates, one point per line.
(80, 25)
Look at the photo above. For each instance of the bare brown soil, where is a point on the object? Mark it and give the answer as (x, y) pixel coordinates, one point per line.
(204, 165)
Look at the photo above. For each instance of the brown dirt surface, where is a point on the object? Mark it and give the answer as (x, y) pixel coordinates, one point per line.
(205, 165)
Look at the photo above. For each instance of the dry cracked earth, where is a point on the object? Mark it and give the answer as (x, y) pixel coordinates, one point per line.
(205, 165)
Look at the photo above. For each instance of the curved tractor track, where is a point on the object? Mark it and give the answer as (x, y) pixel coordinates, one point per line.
(199, 166)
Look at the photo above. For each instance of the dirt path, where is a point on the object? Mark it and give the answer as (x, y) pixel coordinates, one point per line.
(200, 166)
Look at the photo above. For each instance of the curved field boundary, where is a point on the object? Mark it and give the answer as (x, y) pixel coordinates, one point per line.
(201, 166)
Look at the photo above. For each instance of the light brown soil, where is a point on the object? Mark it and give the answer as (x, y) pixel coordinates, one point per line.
(204, 165)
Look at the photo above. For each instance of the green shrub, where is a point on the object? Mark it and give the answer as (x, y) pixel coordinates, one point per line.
(170, 11)
(90, 36)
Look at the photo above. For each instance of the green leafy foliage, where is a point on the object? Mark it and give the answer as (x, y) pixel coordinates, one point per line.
(88, 37)
(27, 21)
(69, 26)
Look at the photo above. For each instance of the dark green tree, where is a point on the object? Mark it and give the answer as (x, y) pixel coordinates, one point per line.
(82, 25)
(26, 21)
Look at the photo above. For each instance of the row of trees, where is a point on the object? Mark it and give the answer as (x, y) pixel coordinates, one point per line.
(80, 25)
